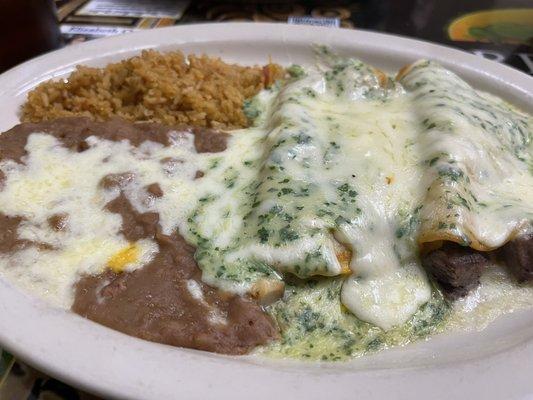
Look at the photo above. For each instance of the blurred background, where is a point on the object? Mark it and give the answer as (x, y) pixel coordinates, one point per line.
(501, 30)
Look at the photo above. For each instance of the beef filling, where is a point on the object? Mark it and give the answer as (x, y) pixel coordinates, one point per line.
(456, 268)
(518, 257)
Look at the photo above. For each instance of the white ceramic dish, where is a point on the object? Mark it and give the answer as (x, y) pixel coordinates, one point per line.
(494, 363)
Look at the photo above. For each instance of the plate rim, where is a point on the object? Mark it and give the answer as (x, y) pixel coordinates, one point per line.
(18, 344)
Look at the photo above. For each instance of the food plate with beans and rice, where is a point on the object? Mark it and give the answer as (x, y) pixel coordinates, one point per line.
(304, 211)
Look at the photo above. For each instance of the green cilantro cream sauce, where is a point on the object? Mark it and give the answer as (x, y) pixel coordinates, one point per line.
(340, 159)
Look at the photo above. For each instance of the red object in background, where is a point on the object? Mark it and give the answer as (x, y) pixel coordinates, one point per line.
(27, 28)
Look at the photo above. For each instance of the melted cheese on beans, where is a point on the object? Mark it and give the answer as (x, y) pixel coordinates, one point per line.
(57, 181)
(338, 160)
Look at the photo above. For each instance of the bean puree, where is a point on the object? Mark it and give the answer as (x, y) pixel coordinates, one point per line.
(165, 301)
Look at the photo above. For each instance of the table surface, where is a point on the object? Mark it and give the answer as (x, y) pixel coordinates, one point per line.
(507, 37)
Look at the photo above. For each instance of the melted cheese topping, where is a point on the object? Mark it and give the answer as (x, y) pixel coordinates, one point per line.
(125, 257)
(478, 155)
(55, 180)
(329, 173)
(340, 160)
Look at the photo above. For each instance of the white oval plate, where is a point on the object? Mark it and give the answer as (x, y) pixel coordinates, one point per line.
(494, 363)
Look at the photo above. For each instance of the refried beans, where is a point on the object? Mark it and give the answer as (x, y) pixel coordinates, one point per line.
(165, 301)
